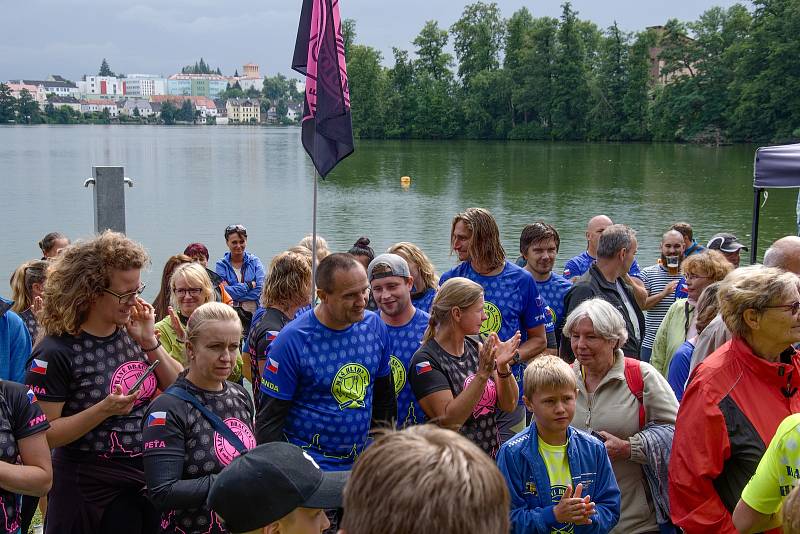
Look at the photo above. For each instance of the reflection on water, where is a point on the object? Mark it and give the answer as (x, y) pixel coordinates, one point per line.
(191, 182)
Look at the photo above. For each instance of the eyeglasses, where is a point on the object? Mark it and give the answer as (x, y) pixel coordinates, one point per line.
(235, 228)
(193, 291)
(126, 298)
(690, 277)
(794, 307)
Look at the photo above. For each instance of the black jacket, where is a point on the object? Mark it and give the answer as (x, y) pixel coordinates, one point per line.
(592, 284)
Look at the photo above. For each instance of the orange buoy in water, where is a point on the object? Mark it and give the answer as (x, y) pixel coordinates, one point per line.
(405, 181)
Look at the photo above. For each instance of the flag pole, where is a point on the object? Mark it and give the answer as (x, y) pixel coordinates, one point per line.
(314, 242)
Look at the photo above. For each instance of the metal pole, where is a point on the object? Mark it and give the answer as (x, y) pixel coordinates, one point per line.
(754, 230)
(314, 243)
(109, 198)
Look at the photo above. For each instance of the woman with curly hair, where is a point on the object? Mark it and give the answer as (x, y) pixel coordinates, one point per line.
(99, 339)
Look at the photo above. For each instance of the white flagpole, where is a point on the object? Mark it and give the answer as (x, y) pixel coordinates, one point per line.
(314, 243)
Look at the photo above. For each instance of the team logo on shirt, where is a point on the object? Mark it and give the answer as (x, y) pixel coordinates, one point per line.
(556, 492)
(157, 419)
(31, 396)
(272, 366)
(39, 367)
(225, 451)
(126, 376)
(530, 489)
(494, 320)
(398, 373)
(349, 386)
(488, 400)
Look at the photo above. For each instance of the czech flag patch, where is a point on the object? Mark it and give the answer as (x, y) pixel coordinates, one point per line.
(157, 419)
(423, 367)
(39, 367)
(31, 396)
(272, 365)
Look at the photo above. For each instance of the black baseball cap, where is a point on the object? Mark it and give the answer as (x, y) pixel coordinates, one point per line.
(269, 482)
(725, 242)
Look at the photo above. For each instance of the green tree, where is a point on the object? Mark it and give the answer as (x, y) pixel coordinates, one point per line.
(607, 117)
(8, 104)
(571, 88)
(488, 105)
(201, 67)
(168, 113)
(186, 112)
(534, 94)
(348, 36)
(28, 111)
(477, 39)
(636, 102)
(518, 30)
(105, 70)
(431, 57)
(366, 78)
(105, 116)
(400, 96)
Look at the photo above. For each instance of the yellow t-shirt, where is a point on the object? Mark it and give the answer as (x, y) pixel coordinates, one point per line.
(557, 463)
(778, 471)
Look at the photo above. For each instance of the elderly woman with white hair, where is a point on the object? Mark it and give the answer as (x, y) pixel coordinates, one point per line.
(617, 396)
(736, 399)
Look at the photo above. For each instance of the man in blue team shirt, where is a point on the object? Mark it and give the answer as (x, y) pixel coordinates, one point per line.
(539, 244)
(391, 282)
(327, 378)
(511, 299)
(578, 265)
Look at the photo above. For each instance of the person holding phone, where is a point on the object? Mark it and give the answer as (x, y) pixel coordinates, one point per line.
(183, 449)
(99, 338)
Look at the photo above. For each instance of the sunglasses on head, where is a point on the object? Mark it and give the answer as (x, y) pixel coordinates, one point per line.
(235, 229)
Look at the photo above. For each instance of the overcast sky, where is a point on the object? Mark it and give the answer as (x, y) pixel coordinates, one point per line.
(70, 38)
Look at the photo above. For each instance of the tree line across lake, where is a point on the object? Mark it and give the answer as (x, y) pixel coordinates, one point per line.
(731, 75)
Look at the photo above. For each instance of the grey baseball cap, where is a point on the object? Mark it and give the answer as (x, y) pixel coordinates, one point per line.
(725, 242)
(396, 266)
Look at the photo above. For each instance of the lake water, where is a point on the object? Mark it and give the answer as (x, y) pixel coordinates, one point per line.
(191, 182)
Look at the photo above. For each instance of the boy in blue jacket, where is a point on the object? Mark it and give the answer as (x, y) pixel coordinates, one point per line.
(560, 478)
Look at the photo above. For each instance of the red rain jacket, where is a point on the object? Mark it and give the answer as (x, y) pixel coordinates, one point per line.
(729, 414)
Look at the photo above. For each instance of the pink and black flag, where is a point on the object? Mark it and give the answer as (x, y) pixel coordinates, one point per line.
(319, 56)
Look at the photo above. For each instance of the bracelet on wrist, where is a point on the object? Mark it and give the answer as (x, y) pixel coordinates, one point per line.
(505, 375)
(158, 344)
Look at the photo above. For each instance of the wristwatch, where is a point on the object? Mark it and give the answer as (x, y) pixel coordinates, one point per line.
(516, 359)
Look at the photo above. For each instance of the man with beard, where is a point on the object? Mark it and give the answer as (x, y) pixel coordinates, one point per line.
(538, 246)
(660, 280)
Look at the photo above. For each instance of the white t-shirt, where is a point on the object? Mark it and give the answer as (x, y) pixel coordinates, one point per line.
(631, 310)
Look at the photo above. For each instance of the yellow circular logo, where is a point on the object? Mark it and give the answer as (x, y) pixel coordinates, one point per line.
(398, 373)
(349, 386)
(493, 320)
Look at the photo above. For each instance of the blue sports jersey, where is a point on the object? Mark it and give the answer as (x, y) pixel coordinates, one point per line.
(580, 264)
(329, 376)
(424, 301)
(552, 291)
(511, 302)
(404, 342)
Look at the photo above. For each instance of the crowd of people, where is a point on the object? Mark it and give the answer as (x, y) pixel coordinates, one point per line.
(501, 396)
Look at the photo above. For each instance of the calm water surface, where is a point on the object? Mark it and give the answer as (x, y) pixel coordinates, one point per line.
(191, 182)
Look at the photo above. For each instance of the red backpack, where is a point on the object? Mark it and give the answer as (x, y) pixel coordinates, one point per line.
(633, 376)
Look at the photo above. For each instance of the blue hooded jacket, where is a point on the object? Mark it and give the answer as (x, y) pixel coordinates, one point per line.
(252, 270)
(526, 474)
(15, 344)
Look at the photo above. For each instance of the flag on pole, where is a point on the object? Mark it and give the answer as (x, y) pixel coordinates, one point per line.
(319, 56)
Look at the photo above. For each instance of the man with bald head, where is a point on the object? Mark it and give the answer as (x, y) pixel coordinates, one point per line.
(785, 254)
(660, 280)
(578, 265)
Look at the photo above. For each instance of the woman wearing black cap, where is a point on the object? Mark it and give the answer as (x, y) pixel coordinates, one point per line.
(198, 426)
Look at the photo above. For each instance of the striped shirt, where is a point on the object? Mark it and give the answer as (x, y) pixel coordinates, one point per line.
(656, 278)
